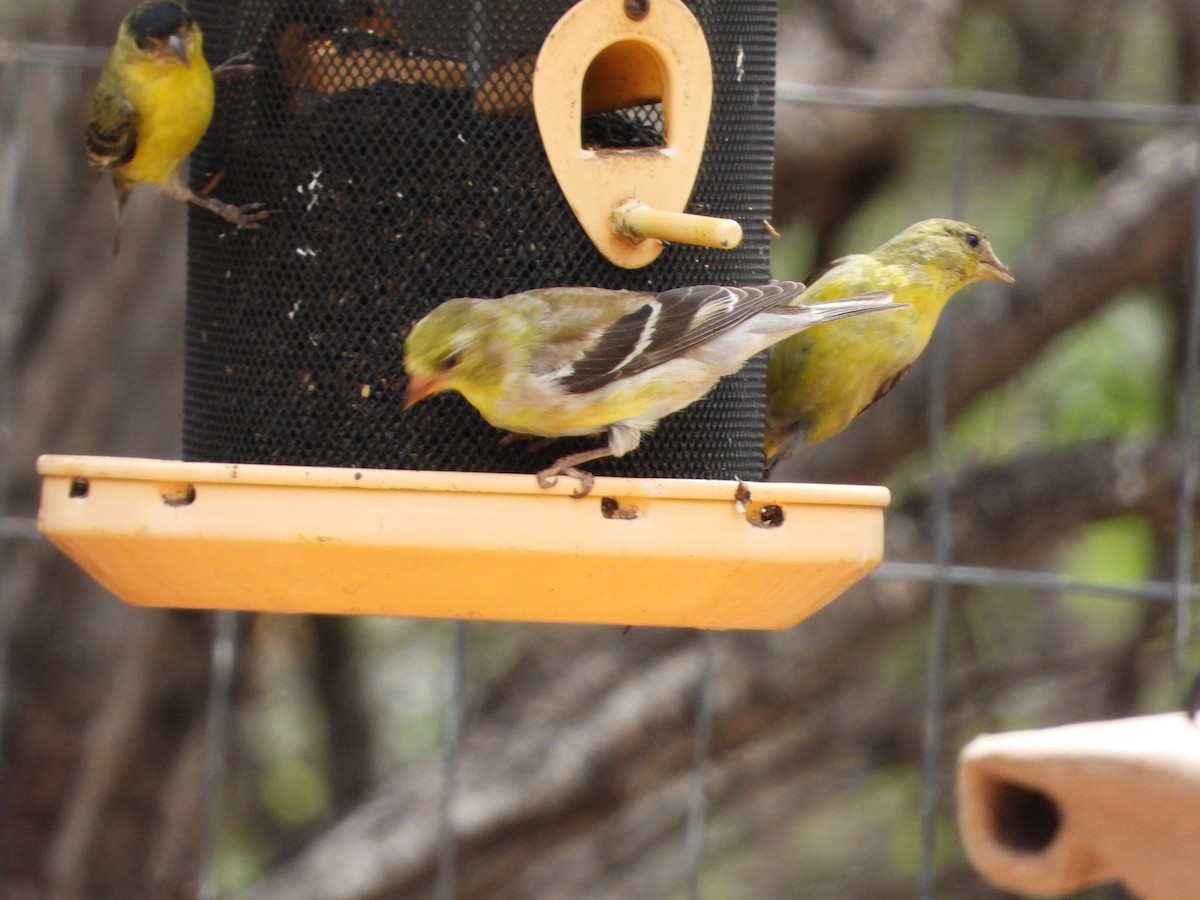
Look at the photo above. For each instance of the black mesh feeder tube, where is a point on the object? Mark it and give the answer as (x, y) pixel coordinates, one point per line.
(396, 140)
(413, 152)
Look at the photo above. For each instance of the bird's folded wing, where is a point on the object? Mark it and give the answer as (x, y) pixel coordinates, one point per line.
(665, 327)
(111, 129)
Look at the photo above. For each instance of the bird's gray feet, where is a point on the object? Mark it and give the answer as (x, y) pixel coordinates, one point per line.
(249, 215)
(547, 478)
(240, 66)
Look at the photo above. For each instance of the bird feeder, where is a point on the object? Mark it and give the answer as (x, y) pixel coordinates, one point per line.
(1056, 810)
(415, 152)
(611, 57)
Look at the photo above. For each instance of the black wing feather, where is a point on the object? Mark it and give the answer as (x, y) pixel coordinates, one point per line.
(603, 359)
(670, 333)
(111, 135)
(750, 302)
(885, 388)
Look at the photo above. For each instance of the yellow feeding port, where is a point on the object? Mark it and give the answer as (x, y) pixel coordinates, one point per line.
(675, 552)
(624, 74)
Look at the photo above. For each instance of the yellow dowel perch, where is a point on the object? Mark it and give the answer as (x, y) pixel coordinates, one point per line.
(638, 221)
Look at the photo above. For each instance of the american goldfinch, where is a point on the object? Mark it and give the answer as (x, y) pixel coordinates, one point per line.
(820, 380)
(153, 104)
(575, 361)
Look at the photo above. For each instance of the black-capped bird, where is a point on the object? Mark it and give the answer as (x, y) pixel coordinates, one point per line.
(567, 361)
(153, 104)
(819, 381)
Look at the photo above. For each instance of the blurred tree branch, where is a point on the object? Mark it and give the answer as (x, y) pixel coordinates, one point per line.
(575, 774)
(594, 746)
(1133, 229)
(828, 160)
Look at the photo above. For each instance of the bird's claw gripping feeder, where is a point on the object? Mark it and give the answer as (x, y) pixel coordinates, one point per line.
(417, 152)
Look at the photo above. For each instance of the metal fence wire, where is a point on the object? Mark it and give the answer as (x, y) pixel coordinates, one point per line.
(941, 573)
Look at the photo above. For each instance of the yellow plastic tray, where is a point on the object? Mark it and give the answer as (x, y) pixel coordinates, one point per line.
(460, 545)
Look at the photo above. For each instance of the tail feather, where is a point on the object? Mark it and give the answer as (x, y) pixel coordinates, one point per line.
(121, 192)
(817, 314)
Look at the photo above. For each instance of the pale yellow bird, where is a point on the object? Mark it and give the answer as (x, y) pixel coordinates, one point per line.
(820, 380)
(577, 361)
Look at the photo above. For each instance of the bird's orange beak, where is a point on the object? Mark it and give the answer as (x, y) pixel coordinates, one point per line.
(420, 387)
(177, 48)
(991, 269)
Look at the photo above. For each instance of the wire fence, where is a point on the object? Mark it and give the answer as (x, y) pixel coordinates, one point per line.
(1180, 594)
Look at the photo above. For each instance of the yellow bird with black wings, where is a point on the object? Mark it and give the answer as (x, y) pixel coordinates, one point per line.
(557, 362)
(153, 104)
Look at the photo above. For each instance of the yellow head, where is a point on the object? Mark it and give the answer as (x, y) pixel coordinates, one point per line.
(465, 345)
(161, 33)
(960, 252)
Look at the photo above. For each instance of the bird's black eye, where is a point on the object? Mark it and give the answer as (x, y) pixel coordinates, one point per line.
(971, 238)
(450, 361)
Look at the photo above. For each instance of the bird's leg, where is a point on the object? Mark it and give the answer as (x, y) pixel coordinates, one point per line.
(536, 441)
(239, 66)
(567, 466)
(211, 184)
(248, 216)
